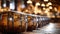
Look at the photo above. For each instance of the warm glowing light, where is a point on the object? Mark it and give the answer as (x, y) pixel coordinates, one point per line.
(9, 10)
(46, 0)
(19, 8)
(1, 9)
(50, 7)
(29, 1)
(48, 14)
(5, 9)
(36, 10)
(55, 9)
(10, 18)
(26, 10)
(37, 4)
(49, 3)
(47, 10)
(43, 5)
(44, 8)
(4, 5)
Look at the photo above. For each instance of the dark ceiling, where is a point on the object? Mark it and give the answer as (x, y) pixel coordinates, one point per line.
(55, 2)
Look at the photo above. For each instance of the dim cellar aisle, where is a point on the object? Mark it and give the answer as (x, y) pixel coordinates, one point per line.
(52, 28)
(29, 16)
(17, 22)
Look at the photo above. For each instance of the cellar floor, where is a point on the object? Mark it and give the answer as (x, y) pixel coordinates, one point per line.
(52, 28)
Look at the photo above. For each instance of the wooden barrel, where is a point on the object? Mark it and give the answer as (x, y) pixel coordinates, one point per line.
(14, 24)
(31, 25)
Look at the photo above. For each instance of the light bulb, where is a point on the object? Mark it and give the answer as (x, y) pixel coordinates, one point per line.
(10, 19)
(49, 3)
(29, 1)
(46, 0)
(43, 5)
(47, 10)
(4, 5)
(37, 4)
(50, 7)
(44, 8)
